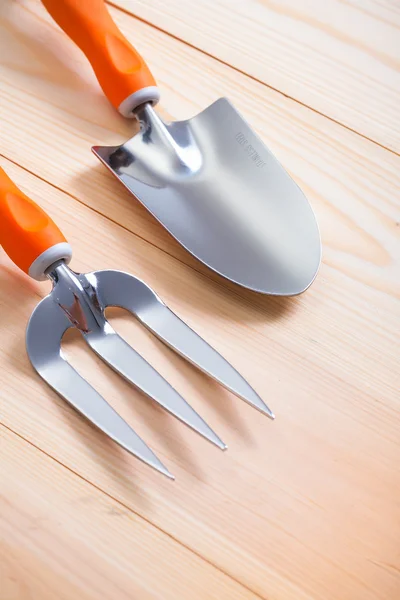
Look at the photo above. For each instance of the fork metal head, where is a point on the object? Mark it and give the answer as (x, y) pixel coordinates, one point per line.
(80, 300)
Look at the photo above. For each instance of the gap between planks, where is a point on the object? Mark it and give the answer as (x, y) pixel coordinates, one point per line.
(201, 271)
(125, 11)
(253, 417)
(328, 162)
(130, 509)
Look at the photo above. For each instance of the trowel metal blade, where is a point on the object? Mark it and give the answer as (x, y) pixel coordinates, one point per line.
(214, 185)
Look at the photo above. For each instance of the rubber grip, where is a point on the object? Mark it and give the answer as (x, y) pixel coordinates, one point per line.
(25, 229)
(119, 69)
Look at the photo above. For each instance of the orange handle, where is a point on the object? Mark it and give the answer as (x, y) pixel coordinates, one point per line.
(26, 232)
(120, 70)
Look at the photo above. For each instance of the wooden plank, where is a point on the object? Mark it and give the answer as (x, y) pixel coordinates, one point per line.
(339, 58)
(52, 110)
(63, 538)
(301, 508)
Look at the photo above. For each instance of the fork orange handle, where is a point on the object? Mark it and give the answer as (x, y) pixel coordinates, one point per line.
(28, 235)
(122, 73)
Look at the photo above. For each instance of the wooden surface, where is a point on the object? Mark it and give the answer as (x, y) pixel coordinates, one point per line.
(340, 58)
(303, 508)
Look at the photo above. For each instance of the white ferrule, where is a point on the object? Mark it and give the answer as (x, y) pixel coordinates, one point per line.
(38, 268)
(147, 94)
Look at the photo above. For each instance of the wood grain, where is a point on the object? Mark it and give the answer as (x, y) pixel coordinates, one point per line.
(352, 183)
(61, 538)
(305, 508)
(341, 58)
(300, 508)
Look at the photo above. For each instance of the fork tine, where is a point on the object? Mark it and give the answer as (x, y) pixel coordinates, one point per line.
(45, 330)
(186, 342)
(129, 292)
(85, 399)
(133, 367)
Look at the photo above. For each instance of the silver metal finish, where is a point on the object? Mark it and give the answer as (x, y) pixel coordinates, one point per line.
(79, 300)
(46, 327)
(144, 303)
(213, 184)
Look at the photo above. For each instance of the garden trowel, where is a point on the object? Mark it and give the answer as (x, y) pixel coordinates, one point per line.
(209, 180)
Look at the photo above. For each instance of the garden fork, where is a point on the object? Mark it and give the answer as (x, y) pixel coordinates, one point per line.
(37, 246)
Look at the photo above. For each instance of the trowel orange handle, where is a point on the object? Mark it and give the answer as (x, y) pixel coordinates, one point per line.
(30, 238)
(121, 71)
